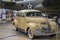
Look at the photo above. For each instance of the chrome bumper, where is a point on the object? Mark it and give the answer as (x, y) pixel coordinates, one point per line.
(44, 34)
(41, 34)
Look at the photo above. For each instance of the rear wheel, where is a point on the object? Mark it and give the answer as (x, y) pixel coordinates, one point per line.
(17, 29)
(30, 35)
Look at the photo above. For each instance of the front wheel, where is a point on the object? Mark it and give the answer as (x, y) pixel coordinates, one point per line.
(30, 35)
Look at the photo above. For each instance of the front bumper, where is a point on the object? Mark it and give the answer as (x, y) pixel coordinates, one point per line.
(38, 33)
(44, 34)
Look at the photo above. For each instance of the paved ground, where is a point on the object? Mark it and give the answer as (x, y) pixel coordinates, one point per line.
(7, 32)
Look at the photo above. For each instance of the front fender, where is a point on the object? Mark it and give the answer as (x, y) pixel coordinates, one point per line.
(53, 25)
(31, 26)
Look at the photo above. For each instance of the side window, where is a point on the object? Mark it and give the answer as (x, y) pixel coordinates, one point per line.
(22, 15)
(17, 14)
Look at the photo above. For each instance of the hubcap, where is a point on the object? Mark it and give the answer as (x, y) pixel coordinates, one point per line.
(30, 34)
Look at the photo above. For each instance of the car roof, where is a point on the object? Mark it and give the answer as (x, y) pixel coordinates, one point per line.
(27, 10)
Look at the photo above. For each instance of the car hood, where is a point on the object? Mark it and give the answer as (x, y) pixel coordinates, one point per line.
(36, 19)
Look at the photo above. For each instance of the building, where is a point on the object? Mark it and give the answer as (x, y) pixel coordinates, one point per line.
(6, 9)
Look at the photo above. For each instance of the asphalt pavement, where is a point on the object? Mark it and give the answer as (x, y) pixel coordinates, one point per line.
(8, 32)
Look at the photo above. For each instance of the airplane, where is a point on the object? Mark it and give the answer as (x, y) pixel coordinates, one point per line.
(25, 3)
(40, 4)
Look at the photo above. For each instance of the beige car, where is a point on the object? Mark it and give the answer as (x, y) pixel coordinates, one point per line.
(34, 24)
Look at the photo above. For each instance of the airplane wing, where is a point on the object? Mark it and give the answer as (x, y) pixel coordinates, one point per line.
(32, 2)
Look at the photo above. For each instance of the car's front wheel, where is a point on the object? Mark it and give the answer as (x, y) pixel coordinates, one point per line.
(30, 35)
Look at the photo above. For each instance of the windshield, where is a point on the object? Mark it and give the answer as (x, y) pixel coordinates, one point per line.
(32, 14)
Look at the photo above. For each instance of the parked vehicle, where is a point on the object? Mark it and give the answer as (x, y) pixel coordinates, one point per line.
(55, 15)
(34, 24)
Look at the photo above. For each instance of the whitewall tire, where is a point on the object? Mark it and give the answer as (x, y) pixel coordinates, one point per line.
(30, 35)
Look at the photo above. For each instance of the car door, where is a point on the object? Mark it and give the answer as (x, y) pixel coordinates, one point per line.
(22, 21)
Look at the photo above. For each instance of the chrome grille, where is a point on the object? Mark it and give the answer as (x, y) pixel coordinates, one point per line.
(46, 30)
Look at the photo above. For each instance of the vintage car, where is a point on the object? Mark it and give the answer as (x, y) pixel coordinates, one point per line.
(34, 24)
